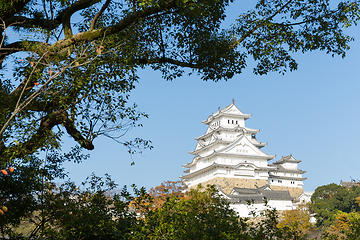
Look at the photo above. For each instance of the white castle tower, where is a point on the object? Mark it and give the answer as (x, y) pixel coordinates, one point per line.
(229, 156)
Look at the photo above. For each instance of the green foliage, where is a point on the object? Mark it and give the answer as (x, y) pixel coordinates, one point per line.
(73, 212)
(329, 199)
(76, 79)
(95, 210)
(345, 226)
(80, 84)
(23, 190)
(201, 215)
(204, 214)
(297, 219)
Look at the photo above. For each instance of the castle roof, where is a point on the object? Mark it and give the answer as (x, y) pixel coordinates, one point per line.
(231, 145)
(230, 110)
(289, 159)
(244, 195)
(234, 155)
(218, 165)
(287, 177)
(221, 128)
(349, 184)
(286, 170)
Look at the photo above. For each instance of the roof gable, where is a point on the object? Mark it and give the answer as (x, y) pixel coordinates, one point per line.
(243, 146)
(287, 159)
(231, 110)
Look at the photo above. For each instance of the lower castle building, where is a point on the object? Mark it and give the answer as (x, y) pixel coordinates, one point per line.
(230, 157)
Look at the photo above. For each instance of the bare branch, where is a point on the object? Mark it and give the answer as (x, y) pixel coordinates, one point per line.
(106, 4)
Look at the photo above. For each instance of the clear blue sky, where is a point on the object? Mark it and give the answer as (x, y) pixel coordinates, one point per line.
(312, 113)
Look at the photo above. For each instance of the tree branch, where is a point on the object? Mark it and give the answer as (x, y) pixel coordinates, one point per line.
(26, 22)
(168, 60)
(38, 140)
(17, 47)
(106, 4)
(260, 25)
(72, 131)
(14, 6)
(67, 13)
(125, 22)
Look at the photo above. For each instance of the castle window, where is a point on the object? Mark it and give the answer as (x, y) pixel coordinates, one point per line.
(236, 121)
(279, 181)
(232, 121)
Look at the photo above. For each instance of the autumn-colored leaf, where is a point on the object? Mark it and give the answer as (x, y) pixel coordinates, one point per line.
(5, 209)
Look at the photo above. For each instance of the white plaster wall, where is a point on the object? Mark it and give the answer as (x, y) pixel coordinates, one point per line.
(290, 165)
(284, 183)
(224, 121)
(244, 210)
(305, 197)
(281, 204)
(200, 178)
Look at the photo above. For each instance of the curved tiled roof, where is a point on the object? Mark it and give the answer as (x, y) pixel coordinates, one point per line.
(288, 158)
(223, 111)
(286, 170)
(287, 178)
(243, 195)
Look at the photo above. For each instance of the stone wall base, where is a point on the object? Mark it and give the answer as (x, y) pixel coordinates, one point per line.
(294, 191)
(227, 184)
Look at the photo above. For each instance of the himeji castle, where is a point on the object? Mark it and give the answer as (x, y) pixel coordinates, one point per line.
(230, 157)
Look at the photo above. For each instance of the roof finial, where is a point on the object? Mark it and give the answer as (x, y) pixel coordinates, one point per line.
(233, 101)
(218, 108)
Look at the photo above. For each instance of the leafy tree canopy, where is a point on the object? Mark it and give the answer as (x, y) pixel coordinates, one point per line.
(297, 219)
(345, 226)
(328, 200)
(76, 61)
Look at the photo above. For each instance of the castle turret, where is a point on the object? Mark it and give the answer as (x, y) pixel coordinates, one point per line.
(228, 155)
